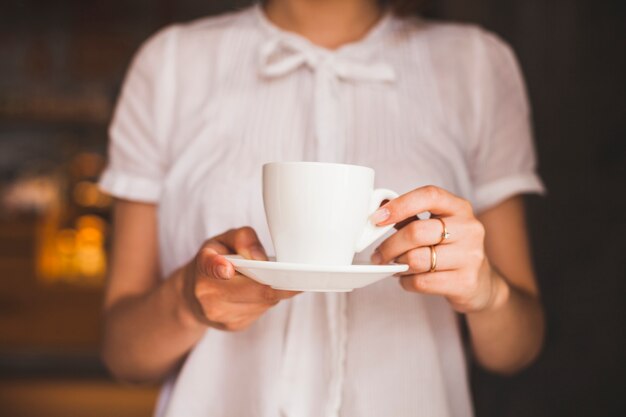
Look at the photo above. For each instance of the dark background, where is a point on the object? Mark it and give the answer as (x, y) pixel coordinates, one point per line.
(61, 65)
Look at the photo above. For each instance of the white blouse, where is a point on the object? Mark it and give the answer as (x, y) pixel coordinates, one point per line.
(205, 104)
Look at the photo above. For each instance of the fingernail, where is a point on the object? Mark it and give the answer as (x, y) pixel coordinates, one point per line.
(223, 272)
(380, 215)
(376, 258)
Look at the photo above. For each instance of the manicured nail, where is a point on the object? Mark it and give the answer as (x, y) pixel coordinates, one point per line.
(223, 272)
(376, 258)
(380, 215)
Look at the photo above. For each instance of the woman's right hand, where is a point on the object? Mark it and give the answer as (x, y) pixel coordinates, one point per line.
(220, 297)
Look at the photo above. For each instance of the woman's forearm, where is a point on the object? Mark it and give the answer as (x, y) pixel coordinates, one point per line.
(507, 336)
(145, 336)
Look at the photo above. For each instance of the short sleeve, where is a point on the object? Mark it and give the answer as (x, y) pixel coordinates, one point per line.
(137, 134)
(502, 159)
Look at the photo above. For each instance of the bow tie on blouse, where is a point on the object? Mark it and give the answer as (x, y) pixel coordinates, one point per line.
(281, 56)
(309, 366)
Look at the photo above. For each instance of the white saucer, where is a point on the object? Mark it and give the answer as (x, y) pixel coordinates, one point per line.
(319, 278)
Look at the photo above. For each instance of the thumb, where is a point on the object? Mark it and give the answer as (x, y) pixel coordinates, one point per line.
(213, 265)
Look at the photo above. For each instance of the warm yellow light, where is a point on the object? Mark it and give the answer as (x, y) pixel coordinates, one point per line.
(91, 221)
(73, 255)
(66, 241)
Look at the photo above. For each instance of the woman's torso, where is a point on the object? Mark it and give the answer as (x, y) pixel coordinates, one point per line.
(403, 353)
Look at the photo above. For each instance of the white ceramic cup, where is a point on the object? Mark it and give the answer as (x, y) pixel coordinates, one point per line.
(318, 213)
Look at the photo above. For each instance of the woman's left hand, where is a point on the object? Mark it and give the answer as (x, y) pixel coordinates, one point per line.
(461, 271)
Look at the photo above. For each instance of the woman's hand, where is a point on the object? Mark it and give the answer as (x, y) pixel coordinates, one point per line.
(462, 274)
(216, 294)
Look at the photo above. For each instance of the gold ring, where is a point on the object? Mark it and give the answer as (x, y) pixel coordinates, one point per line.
(433, 258)
(444, 234)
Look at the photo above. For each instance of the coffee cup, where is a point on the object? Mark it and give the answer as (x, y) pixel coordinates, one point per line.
(318, 213)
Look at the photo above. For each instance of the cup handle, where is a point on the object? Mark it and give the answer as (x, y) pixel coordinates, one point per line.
(373, 232)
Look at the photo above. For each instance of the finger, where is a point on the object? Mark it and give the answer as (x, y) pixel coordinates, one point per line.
(210, 264)
(216, 246)
(436, 283)
(448, 257)
(429, 198)
(242, 289)
(245, 242)
(405, 222)
(416, 234)
(240, 325)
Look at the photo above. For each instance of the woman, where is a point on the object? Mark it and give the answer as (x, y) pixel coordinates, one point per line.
(205, 104)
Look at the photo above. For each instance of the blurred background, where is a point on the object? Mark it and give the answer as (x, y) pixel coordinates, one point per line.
(61, 66)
